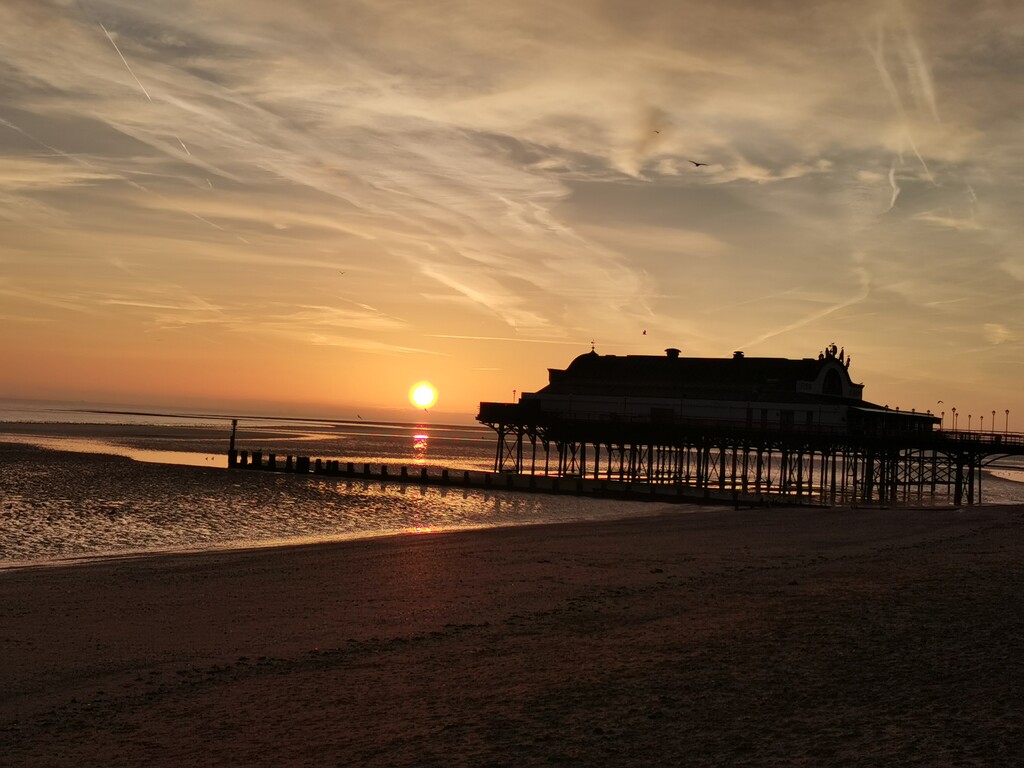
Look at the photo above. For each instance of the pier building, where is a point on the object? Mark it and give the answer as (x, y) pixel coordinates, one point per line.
(744, 427)
(764, 393)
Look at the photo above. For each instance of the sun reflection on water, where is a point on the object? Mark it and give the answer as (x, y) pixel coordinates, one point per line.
(419, 447)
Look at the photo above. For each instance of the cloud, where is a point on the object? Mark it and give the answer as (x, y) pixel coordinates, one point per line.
(997, 333)
(21, 174)
(521, 170)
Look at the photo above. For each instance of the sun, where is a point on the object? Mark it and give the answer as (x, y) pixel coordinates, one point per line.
(423, 394)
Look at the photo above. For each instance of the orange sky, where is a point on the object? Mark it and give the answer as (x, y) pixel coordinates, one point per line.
(239, 203)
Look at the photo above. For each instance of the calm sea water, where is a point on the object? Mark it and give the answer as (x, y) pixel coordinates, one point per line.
(80, 481)
(76, 483)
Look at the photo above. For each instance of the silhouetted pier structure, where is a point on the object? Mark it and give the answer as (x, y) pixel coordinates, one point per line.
(752, 429)
(754, 465)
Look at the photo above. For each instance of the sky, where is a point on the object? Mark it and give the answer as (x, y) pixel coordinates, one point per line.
(313, 205)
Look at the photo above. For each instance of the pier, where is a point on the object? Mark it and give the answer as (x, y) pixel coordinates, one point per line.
(751, 429)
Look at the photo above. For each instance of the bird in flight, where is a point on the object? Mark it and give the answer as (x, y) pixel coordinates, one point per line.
(645, 332)
(696, 164)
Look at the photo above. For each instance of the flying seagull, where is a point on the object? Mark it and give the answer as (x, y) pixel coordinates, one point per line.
(696, 164)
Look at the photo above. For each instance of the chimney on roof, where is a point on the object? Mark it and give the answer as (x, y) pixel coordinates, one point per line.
(737, 355)
(672, 352)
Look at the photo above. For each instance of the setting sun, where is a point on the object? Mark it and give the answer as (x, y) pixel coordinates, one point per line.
(423, 394)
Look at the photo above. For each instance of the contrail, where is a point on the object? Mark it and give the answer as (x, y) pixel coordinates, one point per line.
(865, 290)
(130, 72)
(919, 68)
(44, 145)
(500, 338)
(890, 87)
(894, 185)
(127, 66)
(913, 146)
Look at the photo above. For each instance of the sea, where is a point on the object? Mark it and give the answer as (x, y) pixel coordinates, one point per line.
(81, 481)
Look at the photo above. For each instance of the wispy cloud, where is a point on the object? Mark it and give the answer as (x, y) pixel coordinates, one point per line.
(513, 339)
(521, 171)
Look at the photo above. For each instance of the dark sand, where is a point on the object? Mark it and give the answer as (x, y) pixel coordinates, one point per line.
(739, 638)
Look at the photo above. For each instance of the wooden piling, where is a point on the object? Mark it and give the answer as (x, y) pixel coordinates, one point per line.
(232, 453)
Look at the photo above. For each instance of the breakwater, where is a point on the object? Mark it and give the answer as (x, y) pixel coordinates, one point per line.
(497, 481)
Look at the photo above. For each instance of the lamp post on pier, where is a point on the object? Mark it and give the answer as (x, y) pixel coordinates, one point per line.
(1006, 428)
(954, 418)
(968, 422)
(981, 423)
(993, 421)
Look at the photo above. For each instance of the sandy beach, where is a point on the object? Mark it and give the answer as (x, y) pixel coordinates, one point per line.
(785, 637)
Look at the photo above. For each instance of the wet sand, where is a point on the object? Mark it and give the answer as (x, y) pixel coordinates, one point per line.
(785, 637)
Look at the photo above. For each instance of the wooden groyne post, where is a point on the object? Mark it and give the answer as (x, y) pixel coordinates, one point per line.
(232, 453)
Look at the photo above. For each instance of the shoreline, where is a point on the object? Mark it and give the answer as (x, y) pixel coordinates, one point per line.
(739, 637)
(328, 541)
(69, 507)
(87, 469)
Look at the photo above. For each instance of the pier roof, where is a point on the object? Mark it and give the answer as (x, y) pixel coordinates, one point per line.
(675, 376)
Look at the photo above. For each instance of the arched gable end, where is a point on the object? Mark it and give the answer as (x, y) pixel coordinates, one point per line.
(833, 380)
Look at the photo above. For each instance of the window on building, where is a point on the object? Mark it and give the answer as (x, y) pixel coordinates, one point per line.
(833, 385)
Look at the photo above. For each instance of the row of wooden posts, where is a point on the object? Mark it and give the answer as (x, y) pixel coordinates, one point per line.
(510, 481)
(304, 465)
